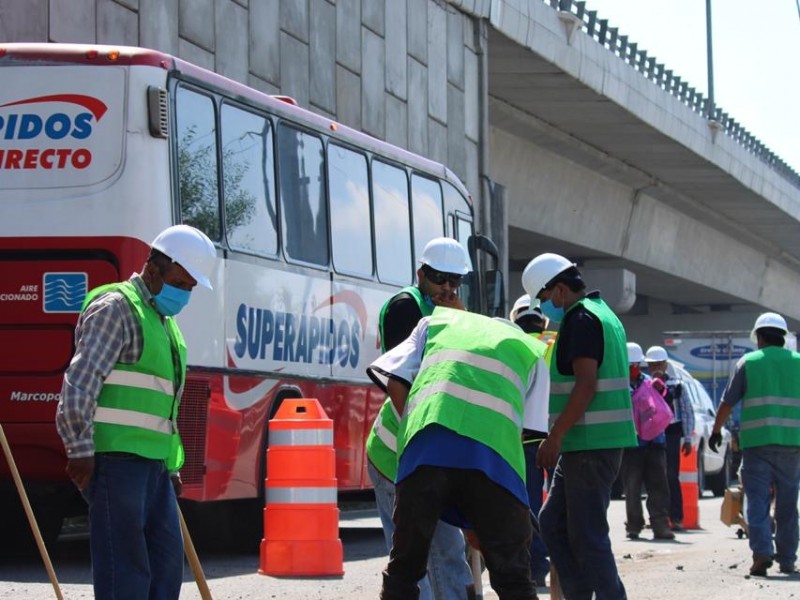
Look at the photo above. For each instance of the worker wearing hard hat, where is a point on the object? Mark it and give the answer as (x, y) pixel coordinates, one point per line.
(678, 433)
(462, 382)
(767, 383)
(591, 421)
(443, 263)
(528, 316)
(645, 465)
(118, 412)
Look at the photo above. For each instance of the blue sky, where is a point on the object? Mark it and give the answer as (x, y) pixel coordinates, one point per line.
(756, 57)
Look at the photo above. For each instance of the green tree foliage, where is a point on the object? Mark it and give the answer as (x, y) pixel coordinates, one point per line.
(197, 168)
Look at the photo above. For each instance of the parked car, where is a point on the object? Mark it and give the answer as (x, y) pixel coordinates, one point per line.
(714, 469)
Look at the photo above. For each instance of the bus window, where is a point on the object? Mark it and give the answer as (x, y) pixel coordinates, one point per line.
(426, 200)
(197, 161)
(304, 213)
(248, 182)
(455, 203)
(392, 224)
(351, 233)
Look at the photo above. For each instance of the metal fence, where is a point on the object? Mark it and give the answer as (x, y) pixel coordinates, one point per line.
(649, 67)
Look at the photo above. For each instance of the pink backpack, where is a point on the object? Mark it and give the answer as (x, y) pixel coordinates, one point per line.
(651, 413)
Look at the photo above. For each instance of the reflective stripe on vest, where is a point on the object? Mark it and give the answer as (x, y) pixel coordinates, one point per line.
(474, 397)
(603, 385)
(771, 401)
(598, 417)
(608, 419)
(300, 495)
(386, 436)
(141, 380)
(381, 443)
(486, 363)
(301, 437)
(473, 381)
(132, 418)
(768, 422)
(137, 407)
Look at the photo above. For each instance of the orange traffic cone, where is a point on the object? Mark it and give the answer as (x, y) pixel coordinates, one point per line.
(689, 490)
(301, 518)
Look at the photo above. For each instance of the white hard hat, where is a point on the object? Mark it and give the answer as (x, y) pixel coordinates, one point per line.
(635, 354)
(446, 255)
(507, 322)
(769, 319)
(190, 248)
(541, 270)
(523, 307)
(655, 354)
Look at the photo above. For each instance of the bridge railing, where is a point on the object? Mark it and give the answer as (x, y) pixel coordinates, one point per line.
(649, 67)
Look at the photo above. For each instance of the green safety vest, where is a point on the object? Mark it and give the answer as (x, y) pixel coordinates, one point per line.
(608, 420)
(382, 439)
(473, 380)
(771, 402)
(137, 409)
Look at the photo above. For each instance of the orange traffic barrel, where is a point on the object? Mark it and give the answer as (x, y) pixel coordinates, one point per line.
(301, 517)
(689, 490)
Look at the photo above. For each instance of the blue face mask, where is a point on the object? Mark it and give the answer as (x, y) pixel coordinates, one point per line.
(551, 311)
(170, 300)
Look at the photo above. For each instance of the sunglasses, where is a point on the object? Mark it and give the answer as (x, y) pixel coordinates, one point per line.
(439, 278)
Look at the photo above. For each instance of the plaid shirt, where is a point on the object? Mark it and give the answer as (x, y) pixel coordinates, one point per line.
(107, 333)
(685, 409)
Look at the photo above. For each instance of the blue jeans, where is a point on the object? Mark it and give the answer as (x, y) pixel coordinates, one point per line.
(448, 572)
(574, 524)
(135, 534)
(765, 468)
(534, 482)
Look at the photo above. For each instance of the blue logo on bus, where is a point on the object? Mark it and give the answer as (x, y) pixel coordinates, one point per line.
(64, 292)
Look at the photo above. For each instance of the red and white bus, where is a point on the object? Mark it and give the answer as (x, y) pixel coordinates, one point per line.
(316, 225)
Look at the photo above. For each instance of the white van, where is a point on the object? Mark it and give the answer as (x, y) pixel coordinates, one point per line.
(714, 469)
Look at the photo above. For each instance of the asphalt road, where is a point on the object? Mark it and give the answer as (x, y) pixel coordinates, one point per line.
(710, 563)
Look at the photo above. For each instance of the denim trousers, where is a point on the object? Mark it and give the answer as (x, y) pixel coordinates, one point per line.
(574, 524)
(646, 465)
(135, 535)
(673, 477)
(501, 522)
(767, 468)
(449, 574)
(534, 482)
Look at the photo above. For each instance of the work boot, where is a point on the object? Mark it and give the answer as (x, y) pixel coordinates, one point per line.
(760, 566)
(661, 531)
(633, 535)
(677, 525)
(788, 568)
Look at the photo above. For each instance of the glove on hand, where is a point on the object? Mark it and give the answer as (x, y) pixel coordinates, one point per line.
(715, 441)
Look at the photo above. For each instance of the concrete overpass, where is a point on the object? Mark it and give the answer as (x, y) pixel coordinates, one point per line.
(608, 158)
(605, 155)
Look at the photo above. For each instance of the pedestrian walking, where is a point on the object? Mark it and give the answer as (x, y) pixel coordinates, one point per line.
(118, 412)
(645, 465)
(591, 422)
(442, 265)
(678, 433)
(767, 383)
(461, 382)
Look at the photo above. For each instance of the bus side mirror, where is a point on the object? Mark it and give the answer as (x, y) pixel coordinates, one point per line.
(494, 293)
(486, 277)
